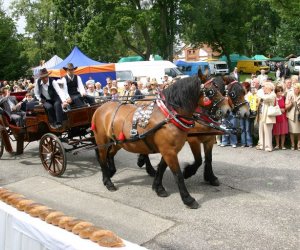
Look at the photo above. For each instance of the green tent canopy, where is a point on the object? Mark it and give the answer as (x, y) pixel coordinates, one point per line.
(260, 57)
(138, 58)
(131, 59)
(278, 59)
(234, 58)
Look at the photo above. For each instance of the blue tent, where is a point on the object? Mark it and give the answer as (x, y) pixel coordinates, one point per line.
(81, 60)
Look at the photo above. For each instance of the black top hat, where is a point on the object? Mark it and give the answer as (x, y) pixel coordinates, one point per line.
(70, 66)
(43, 73)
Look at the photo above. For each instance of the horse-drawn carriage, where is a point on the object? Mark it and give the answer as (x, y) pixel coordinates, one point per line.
(163, 126)
(75, 133)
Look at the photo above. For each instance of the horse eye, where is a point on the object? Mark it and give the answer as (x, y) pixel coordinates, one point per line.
(232, 94)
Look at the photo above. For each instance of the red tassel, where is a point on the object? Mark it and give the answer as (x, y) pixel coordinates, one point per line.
(93, 127)
(207, 101)
(121, 137)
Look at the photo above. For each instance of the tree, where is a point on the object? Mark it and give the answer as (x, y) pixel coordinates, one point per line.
(12, 63)
(44, 29)
(288, 32)
(223, 25)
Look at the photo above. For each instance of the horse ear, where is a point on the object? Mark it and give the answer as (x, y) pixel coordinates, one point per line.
(201, 75)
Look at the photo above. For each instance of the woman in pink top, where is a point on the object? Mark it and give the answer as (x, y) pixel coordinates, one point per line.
(281, 127)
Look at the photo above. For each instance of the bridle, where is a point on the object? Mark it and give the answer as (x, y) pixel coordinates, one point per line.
(232, 95)
(210, 93)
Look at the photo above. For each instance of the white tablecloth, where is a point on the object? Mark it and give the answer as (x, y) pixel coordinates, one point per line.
(20, 231)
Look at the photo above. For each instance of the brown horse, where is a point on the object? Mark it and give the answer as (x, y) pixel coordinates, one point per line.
(165, 133)
(203, 133)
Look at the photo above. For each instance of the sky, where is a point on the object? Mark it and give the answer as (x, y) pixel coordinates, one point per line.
(20, 24)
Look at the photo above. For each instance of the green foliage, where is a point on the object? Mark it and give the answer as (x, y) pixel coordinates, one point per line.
(12, 63)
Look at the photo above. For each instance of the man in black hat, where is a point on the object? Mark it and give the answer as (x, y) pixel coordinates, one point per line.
(74, 88)
(49, 94)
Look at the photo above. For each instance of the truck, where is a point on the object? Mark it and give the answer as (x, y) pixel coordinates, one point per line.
(153, 69)
(191, 68)
(218, 67)
(252, 66)
(294, 65)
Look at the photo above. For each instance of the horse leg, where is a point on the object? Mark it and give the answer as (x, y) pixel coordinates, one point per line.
(172, 162)
(144, 159)
(141, 160)
(195, 146)
(208, 171)
(157, 182)
(111, 161)
(106, 174)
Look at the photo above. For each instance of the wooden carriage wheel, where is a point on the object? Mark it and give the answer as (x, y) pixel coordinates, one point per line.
(52, 154)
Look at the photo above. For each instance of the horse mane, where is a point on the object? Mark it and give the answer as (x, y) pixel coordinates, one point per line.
(184, 93)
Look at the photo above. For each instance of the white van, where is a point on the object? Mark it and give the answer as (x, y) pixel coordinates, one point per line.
(152, 69)
(294, 65)
(218, 67)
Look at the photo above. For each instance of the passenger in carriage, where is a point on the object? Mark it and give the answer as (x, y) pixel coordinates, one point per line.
(74, 88)
(51, 96)
(12, 107)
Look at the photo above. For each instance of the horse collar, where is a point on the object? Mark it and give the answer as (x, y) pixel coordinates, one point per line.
(174, 117)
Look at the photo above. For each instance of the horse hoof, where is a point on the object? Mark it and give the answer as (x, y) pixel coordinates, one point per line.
(193, 205)
(214, 182)
(161, 192)
(111, 188)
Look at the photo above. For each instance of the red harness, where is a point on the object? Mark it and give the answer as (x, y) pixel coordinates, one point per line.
(179, 122)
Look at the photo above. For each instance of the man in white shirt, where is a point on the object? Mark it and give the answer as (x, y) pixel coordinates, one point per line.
(48, 92)
(74, 88)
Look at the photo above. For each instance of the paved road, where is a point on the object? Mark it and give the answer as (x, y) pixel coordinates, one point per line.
(255, 207)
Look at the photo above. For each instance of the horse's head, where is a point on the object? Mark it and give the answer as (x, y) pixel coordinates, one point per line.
(236, 95)
(212, 100)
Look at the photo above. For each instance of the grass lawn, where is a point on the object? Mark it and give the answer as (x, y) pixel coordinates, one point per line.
(243, 77)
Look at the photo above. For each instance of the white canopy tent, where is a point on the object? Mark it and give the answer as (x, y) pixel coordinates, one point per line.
(49, 64)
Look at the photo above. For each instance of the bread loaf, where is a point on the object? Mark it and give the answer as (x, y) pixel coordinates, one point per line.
(56, 220)
(23, 204)
(97, 235)
(31, 206)
(5, 195)
(2, 192)
(111, 241)
(80, 226)
(36, 211)
(72, 223)
(87, 232)
(13, 201)
(64, 220)
(43, 214)
(50, 217)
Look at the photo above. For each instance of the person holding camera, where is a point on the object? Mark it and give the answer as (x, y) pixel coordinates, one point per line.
(292, 105)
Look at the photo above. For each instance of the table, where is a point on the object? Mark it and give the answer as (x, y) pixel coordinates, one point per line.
(20, 231)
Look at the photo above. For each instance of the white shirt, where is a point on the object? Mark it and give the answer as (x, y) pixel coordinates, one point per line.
(80, 88)
(45, 93)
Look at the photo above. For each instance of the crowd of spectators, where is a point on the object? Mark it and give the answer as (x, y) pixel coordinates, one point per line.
(270, 132)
